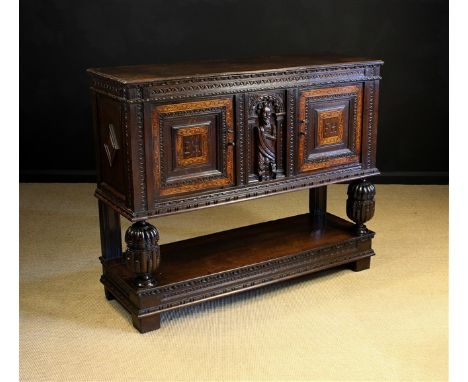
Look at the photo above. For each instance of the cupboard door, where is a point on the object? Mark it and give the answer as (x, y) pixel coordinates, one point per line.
(330, 123)
(193, 146)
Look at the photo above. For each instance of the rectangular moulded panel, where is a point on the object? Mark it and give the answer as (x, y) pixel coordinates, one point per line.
(330, 127)
(192, 143)
(110, 147)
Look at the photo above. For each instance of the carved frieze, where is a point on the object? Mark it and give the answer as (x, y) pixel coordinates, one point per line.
(169, 90)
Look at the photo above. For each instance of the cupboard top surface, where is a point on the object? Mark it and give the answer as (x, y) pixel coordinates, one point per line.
(147, 73)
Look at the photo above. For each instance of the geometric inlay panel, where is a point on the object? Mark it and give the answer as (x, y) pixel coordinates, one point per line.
(111, 145)
(192, 145)
(330, 127)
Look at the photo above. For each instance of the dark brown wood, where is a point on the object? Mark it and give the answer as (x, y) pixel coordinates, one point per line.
(142, 256)
(109, 295)
(147, 73)
(110, 232)
(244, 246)
(193, 146)
(110, 144)
(111, 239)
(360, 205)
(318, 206)
(266, 136)
(146, 324)
(360, 265)
(221, 111)
(229, 262)
(173, 138)
(327, 137)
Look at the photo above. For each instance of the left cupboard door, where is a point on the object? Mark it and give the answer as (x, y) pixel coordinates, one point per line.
(193, 146)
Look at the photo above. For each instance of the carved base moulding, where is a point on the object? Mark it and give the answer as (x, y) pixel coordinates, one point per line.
(214, 266)
(174, 138)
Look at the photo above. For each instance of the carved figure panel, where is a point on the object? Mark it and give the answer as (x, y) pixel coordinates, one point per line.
(266, 127)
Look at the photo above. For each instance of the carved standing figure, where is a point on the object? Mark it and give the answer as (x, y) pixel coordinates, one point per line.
(266, 142)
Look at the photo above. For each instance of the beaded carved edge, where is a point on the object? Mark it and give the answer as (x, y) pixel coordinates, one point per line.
(170, 90)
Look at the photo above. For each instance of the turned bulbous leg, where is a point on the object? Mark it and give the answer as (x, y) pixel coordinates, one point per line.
(360, 205)
(142, 256)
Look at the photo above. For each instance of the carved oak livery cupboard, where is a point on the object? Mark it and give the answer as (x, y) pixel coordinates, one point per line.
(173, 138)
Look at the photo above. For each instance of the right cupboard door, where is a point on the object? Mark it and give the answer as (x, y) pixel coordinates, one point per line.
(330, 124)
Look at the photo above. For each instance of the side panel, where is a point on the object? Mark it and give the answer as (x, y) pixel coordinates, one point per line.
(110, 148)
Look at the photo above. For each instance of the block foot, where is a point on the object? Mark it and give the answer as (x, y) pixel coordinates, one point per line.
(147, 323)
(360, 265)
(109, 295)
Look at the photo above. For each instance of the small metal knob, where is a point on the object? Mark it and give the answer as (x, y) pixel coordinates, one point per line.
(302, 132)
(231, 144)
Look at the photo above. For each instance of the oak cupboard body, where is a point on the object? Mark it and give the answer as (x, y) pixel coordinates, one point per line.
(178, 137)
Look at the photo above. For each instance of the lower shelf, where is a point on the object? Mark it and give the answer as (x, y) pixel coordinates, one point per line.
(223, 263)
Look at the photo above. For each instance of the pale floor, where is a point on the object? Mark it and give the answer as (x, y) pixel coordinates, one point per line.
(386, 323)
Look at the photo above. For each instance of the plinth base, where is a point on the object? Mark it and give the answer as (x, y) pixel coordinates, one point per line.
(233, 261)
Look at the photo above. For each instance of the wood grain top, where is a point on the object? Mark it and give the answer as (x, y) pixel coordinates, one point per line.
(157, 72)
(230, 250)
